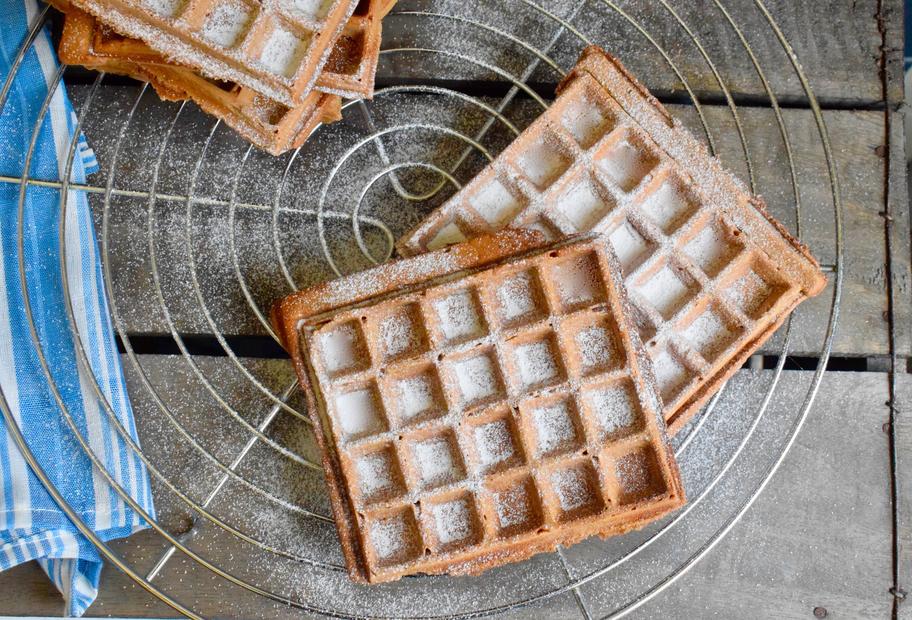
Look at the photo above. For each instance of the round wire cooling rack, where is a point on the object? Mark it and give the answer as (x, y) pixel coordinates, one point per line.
(199, 233)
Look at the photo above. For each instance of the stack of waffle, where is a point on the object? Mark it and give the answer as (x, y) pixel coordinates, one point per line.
(271, 70)
(483, 402)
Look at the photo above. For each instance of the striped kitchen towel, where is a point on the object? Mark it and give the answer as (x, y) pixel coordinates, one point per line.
(32, 526)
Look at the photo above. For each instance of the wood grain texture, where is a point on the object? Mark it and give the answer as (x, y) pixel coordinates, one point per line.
(195, 258)
(903, 439)
(819, 535)
(837, 42)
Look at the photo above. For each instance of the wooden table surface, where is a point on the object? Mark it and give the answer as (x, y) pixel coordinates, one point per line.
(830, 535)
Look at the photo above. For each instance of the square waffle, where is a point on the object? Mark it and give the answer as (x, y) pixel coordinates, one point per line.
(265, 123)
(479, 405)
(277, 48)
(710, 273)
(349, 72)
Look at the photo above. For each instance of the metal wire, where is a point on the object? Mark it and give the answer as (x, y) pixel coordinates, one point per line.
(279, 402)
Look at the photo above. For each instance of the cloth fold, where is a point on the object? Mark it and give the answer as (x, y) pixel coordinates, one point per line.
(31, 524)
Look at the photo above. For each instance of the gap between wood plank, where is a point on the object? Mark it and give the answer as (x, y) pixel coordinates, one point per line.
(886, 71)
(486, 88)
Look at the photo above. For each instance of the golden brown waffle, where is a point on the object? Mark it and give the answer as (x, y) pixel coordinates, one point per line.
(352, 65)
(276, 48)
(479, 405)
(267, 124)
(710, 274)
(349, 72)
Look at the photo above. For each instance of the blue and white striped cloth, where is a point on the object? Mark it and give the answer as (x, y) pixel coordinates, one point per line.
(31, 524)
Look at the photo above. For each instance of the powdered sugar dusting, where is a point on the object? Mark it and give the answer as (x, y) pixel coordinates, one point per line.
(596, 348)
(375, 474)
(630, 247)
(670, 374)
(669, 206)
(543, 162)
(633, 474)
(578, 280)
(314, 10)
(437, 462)
(390, 538)
(495, 203)
(283, 52)
(494, 443)
(342, 349)
(516, 297)
(228, 23)
(477, 378)
(453, 521)
(536, 363)
(358, 413)
(709, 334)
(615, 407)
(364, 282)
(416, 396)
(514, 507)
(399, 332)
(459, 316)
(554, 427)
(572, 488)
(627, 164)
(583, 206)
(448, 235)
(165, 8)
(666, 291)
(711, 250)
(750, 292)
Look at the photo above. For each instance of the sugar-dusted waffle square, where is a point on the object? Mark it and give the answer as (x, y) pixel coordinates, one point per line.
(268, 124)
(349, 71)
(710, 274)
(276, 48)
(480, 404)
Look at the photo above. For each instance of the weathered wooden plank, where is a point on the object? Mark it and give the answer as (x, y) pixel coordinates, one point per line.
(196, 257)
(903, 447)
(837, 42)
(792, 551)
(819, 535)
(900, 250)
